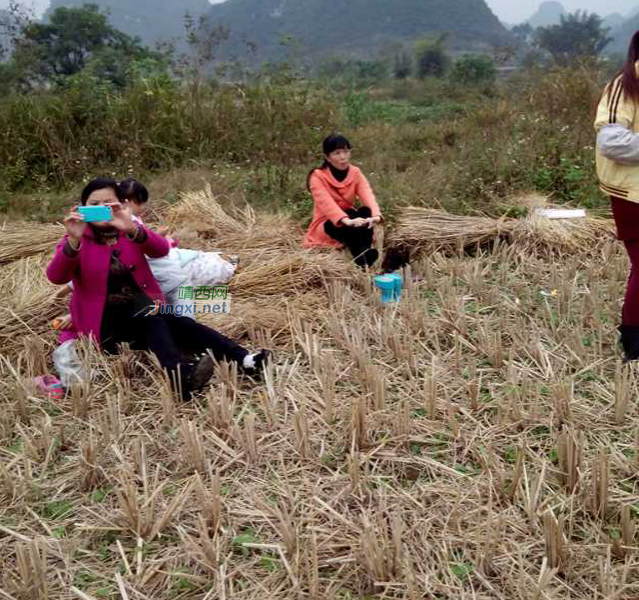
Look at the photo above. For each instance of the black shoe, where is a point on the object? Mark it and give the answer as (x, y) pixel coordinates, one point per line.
(395, 258)
(371, 257)
(200, 375)
(629, 342)
(367, 258)
(260, 360)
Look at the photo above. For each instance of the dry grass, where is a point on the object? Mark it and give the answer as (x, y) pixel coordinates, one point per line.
(19, 240)
(428, 230)
(201, 222)
(476, 441)
(542, 235)
(286, 275)
(203, 210)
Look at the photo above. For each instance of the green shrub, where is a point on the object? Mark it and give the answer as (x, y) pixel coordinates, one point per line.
(425, 142)
(431, 59)
(474, 69)
(155, 124)
(402, 65)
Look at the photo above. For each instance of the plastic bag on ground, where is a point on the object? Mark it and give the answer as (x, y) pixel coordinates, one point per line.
(68, 365)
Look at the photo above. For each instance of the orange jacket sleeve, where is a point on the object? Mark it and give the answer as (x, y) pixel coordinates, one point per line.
(366, 195)
(324, 202)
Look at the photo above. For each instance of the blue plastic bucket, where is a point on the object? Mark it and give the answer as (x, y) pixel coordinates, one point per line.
(398, 282)
(386, 285)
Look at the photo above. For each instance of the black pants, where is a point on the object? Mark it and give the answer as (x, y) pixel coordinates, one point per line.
(358, 240)
(169, 337)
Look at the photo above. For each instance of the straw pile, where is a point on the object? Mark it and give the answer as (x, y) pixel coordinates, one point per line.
(19, 240)
(272, 316)
(26, 279)
(204, 213)
(540, 234)
(430, 230)
(289, 274)
(230, 230)
(33, 318)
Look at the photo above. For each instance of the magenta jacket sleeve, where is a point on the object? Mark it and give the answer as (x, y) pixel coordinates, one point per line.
(155, 245)
(62, 267)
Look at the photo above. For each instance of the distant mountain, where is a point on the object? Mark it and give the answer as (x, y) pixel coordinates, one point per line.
(548, 13)
(352, 26)
(613, 21)
(5, 19)
(150, 20)
(621, 36)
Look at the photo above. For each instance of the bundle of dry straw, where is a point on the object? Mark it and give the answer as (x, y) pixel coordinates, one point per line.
(19, 240)
(289, 273)
(230, 230)
(32, 319)
(431, 229)
(541, 235)
(203, 211)
(426, 229)
(272, 314)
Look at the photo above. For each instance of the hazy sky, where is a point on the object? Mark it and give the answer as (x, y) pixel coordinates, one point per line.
(512, 11)
(516, 11)
(41, 5)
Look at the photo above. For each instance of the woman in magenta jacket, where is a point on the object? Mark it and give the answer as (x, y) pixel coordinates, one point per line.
(114, 293)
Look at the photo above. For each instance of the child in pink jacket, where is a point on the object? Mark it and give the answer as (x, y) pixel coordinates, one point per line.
(114, 291)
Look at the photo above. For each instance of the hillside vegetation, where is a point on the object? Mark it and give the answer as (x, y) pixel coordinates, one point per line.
(257, 27)
(428, 142)
(142, 17)
(357, 25)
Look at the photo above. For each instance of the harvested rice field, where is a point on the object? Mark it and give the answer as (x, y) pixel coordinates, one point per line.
(477, 440)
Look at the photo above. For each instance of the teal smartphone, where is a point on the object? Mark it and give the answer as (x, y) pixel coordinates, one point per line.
(91, 214)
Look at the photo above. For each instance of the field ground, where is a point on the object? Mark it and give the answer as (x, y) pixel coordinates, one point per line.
(475, 440)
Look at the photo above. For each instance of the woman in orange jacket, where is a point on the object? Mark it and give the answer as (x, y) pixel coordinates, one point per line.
(336, 221)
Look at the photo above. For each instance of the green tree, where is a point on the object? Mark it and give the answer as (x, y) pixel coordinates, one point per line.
(577, 35)
(333, 67)
(523, 32)
(75, 38)
(402, 65)
(371, 70)
(431, 58)
(474, 69)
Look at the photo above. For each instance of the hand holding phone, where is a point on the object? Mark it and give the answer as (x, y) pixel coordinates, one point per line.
(75, 225)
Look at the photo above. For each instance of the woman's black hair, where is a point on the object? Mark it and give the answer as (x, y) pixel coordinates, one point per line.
(100, 183)
(132, 189)
(629, 82)
(335, 142)
(329, 145)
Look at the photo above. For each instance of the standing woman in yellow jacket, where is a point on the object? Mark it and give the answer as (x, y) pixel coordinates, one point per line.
(617, 125)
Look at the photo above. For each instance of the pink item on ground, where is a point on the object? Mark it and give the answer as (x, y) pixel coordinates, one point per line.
(50, 386)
